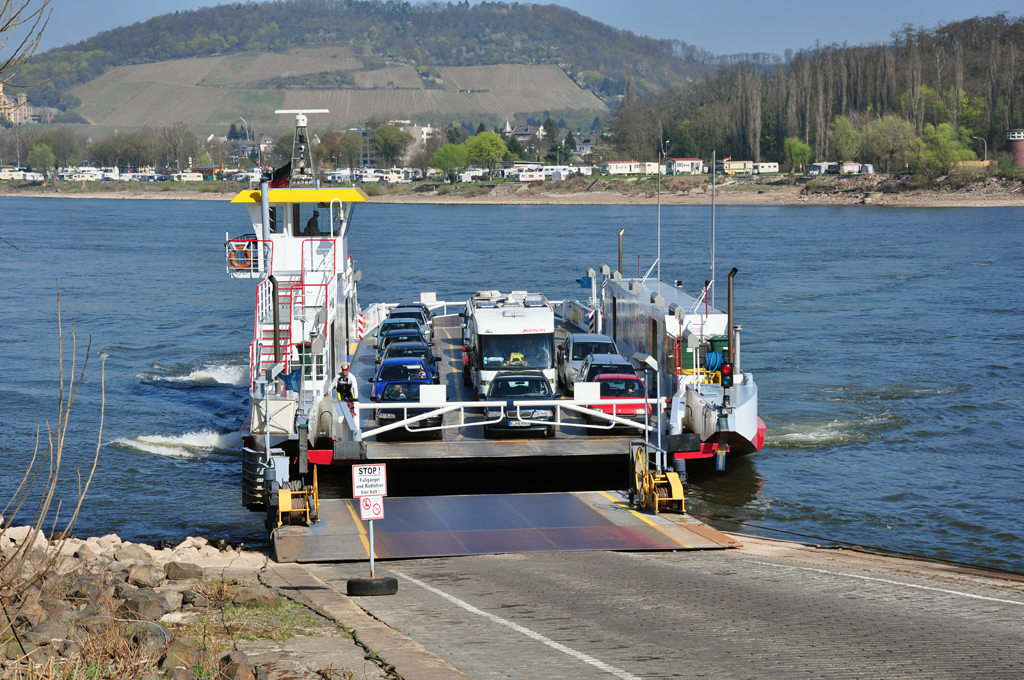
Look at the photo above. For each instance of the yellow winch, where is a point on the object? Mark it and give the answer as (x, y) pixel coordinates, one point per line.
(655, 491)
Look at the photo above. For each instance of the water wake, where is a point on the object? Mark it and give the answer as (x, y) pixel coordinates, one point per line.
(821, 434)
(208, 374)
(190, 446)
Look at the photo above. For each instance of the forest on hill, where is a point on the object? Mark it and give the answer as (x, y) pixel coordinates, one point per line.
(923, 98)
(426, 35)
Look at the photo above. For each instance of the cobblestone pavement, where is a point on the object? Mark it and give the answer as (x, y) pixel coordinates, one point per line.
(771, 610)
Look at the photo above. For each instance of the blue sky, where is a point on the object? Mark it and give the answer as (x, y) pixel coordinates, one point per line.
(720, 27)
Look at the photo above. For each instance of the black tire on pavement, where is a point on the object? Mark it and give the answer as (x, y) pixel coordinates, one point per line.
(550, 432)
(439, 435)
(378, 585)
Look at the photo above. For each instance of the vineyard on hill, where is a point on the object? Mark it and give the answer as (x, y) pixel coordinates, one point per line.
(211, 92)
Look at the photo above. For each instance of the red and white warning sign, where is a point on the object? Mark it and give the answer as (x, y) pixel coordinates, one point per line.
(371, 507)
(369, 480)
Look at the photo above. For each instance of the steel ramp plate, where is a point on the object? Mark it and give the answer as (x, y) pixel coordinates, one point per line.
(437, 526)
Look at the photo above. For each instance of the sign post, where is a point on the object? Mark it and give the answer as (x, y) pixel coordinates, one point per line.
(370, 486)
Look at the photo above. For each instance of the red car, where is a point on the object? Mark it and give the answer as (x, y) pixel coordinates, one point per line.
(617, 387)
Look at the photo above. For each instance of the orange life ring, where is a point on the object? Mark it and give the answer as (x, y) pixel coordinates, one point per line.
(240, 257)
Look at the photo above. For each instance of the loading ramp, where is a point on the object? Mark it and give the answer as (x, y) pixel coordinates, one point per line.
(444, 526)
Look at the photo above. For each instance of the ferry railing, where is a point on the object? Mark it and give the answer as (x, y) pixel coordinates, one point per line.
(373, 315)
(242, 258)
(319, 255)
(443, 306)
(308, 296)
(295, 356)
(507, 409)
(376, 313)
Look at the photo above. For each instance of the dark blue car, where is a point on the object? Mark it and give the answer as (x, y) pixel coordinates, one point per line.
(399, 369)
(405, 391)
(509, 386)
(397, 335)
(413, 349)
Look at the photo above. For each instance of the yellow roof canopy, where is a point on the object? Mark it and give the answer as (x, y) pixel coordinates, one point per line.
(346, 195)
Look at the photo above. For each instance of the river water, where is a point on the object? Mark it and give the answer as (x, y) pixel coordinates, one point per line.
(886, 343)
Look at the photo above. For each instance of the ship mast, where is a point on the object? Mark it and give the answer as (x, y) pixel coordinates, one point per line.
(302, 174)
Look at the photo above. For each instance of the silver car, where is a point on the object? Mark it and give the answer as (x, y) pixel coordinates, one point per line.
(577, 347)
(416, 314)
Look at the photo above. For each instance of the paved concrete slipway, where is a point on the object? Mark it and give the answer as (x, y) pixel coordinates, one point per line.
(766, 609)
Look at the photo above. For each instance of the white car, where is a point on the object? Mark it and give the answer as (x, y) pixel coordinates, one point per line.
(574, 349)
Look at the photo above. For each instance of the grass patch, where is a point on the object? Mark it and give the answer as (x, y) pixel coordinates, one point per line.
(215, 629)
(228, 69)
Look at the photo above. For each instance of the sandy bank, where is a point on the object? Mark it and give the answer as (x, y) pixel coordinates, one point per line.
(999, 195)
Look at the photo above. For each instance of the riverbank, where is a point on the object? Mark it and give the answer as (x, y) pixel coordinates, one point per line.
(104, 607)
(964, 191)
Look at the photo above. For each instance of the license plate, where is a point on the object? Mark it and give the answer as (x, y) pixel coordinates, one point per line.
(518, 423)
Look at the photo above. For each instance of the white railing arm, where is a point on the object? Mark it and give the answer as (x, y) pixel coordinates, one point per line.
(423, 416)
(604, 416)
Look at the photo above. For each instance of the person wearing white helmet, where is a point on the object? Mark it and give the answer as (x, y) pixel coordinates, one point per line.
(348, 389)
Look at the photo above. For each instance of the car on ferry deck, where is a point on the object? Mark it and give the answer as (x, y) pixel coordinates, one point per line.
(600, 364)
(398, 335)
(414, 349)
(531, 385)
(399, 370)
(414, 313)
(405, 390)
(575, 348)
(617, 387)
(398, 324)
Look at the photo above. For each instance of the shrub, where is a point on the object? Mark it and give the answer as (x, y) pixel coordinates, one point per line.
(961, 178)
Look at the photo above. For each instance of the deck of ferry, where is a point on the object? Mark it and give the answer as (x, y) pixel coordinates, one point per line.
(468, 441)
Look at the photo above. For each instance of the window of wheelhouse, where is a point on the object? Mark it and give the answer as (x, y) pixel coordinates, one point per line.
(276, 220)
(313, 220)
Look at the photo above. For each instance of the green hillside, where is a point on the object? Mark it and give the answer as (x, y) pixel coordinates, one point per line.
(367, 37)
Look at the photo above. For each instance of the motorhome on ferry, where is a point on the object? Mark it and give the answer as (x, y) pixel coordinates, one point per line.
(504, 332)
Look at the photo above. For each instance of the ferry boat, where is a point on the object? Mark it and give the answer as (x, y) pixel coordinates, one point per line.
(308, 322)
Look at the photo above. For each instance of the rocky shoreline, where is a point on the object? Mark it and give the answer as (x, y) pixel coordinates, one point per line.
(103, 607)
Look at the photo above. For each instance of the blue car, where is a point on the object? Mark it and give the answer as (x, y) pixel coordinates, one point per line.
(399, 369)
(415, 349)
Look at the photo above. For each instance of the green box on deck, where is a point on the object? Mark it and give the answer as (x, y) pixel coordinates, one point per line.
(719, 343)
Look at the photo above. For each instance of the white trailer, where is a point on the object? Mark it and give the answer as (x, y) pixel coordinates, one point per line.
(509, 332)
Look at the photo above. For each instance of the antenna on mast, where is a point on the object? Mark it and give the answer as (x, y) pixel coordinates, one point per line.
(302, 156)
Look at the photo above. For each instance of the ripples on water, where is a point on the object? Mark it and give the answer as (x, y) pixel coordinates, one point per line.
(887, 344)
